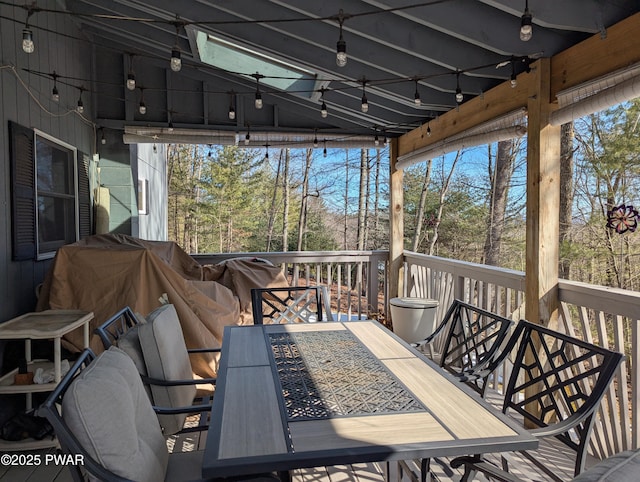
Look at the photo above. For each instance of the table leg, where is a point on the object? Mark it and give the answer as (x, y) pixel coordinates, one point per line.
(86, 335)
(57, 354)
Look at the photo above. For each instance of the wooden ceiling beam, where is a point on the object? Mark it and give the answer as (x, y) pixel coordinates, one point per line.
(590, 59)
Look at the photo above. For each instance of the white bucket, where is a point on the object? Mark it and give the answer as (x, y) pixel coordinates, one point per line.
(413, 319)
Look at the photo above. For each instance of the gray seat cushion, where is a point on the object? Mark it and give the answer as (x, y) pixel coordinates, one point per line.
(109, 412)
(622, 467)
(165, 356)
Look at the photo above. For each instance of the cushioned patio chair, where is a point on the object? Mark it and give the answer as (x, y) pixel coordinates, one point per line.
(100, 410)
(294, 304)
(556, 385)
(157, 347)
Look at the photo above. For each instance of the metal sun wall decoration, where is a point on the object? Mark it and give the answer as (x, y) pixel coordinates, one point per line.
(623, 218)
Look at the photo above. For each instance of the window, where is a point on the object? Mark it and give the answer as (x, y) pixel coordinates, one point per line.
(56, 194)
(51, 205)
(143, 196)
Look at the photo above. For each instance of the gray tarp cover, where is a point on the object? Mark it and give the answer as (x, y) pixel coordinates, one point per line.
(105, 273)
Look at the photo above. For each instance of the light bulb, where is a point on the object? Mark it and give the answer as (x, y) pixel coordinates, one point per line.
(27, 41)
(55, 96)
(428, 131)
(376, 141)
(232, 113)
(103, 140)
(170, 128)
(341, 53)
(365, 104)
(315, 142)
(258, 102)
(324, 152)
(459, 96)
(416, 98)
(176, 62)
(80, 107)
(246, 139)
(155, 149)
(526, 27)
(323, 110)
(514, 81)
(142, 108)
(131, 81)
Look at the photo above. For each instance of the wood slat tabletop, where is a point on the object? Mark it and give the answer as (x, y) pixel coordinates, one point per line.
(304, 395)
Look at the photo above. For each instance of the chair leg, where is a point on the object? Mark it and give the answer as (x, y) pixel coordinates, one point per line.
(424, 470)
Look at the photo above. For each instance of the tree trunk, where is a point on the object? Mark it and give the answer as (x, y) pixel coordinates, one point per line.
(443, 194)
(272, 209)
(500, 181)
(361, 199)
(302, 220)
(285, 196)
(420, 213)
(376, 203)
(566, 196)
(346, 200)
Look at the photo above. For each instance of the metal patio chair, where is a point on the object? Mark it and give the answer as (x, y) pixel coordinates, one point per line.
(100, 411)
(294, 304)
(556, 385)
(473, 338)
(157, 347)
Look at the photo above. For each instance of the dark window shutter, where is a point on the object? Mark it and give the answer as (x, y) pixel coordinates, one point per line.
(84, 196)
(21, 153)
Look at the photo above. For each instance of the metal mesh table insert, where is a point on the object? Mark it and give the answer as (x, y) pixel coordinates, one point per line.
(330, 373)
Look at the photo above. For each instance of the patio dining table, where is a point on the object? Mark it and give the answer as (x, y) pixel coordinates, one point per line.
(316, 394)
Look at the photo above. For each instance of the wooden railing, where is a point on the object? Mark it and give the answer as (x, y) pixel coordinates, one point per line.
(357, 279)
(605, 316)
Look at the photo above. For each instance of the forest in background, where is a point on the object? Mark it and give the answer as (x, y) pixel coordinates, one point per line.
(469, 205)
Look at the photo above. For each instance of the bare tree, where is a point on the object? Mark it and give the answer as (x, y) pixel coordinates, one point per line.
(421, 207)
(566, 195)
(500, 178)
(272, 209)
(302, 220)
(285, 214)
(446, 182)
(364, 175)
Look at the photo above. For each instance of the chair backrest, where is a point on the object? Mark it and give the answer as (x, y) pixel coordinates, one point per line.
(100, 410)
(166, 358)
(294, 304)
(115, 327)
(474, 337)
(557, 383)
(157, 347)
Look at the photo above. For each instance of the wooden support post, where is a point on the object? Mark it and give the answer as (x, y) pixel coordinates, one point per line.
(543, 201)
(396, 224)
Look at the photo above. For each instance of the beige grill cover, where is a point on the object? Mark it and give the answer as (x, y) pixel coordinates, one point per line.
(105, 273)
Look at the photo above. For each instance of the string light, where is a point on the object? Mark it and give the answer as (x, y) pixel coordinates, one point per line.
(55, 95)
(80, 106)
(315, 139)
(155, 149)
(232, 110)
(247, 138)
(428, 130)
(416, 96)
(142, 108)
(459, 96)
(103, 139)
(131, 77)
(176, 61)
(324, 151)
(323, 107)
(526, 24)
(27, 39)
(266, 156)
(341, 46)
(365, 104)
(27, 34)
(514, 80)
(258, 101)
